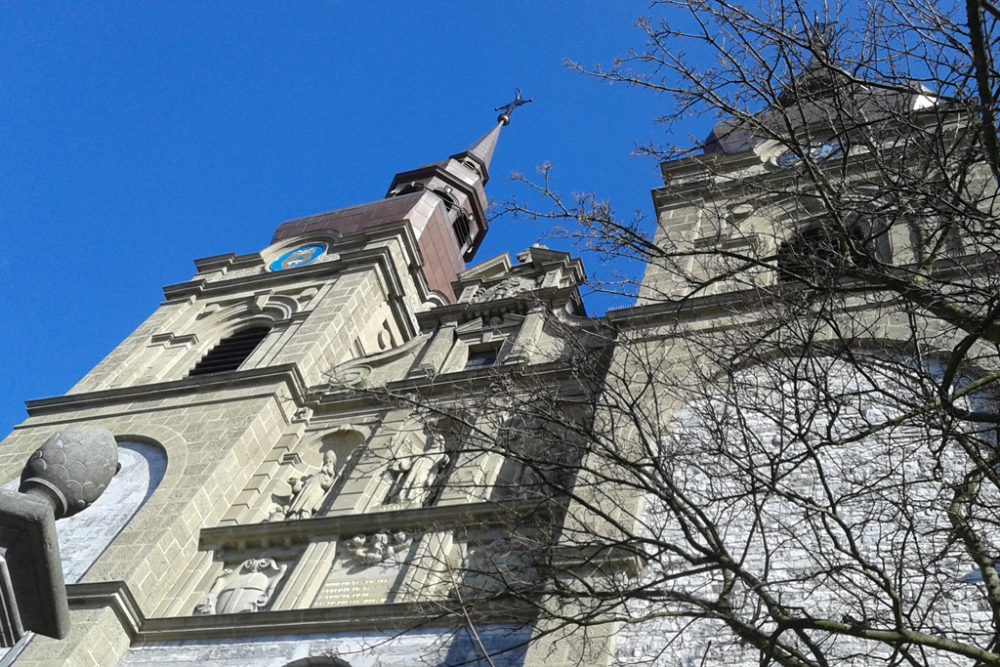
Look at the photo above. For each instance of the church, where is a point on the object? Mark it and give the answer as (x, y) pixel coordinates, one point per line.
(266, 511)
(352, 448)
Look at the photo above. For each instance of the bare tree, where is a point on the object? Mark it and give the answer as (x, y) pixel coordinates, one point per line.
(786, 451)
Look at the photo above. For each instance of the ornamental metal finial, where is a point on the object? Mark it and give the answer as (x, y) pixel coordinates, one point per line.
(506, 109)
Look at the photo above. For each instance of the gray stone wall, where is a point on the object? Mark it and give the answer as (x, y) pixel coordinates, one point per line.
(879, 499)
(429, 647)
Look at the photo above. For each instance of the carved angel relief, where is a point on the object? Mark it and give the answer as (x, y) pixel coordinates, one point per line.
(369, 550)
(248, 588)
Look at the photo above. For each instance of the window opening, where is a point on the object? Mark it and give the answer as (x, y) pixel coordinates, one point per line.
(461, 229)
(230, 353)
(483, 357)
(397, 476)
(817, 253)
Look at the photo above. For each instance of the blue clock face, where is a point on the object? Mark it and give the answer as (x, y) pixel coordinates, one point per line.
(300, 256)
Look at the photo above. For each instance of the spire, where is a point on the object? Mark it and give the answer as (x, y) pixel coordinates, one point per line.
(444, 204)
(482, 151)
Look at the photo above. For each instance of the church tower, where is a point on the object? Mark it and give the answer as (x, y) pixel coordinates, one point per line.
(270, 510)
(792, 314)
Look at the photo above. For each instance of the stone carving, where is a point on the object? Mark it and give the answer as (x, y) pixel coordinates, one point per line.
(248, 588)
(506, 288)
(374, 549)
(414, 476)
(355, 377)
(72, 469)
(308, 492)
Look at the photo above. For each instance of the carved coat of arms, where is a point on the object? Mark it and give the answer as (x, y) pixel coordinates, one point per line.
(248, 588)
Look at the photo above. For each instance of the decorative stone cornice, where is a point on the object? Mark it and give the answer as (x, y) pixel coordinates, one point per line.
(228, 261)
(725, 174)
(113, 594)
(746, 301)
(400, 616)
(286, 373)
(256, 536)
(273, 279)
(327, 620)
(443, 386)
(351, 251)
(553, 297)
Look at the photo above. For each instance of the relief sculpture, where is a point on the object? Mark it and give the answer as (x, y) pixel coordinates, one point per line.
(415, 475)
(378, 548)
(504, 289)
(248, 588)
(308, 492)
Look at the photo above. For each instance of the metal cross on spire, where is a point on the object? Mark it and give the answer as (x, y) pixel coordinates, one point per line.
(506, 109)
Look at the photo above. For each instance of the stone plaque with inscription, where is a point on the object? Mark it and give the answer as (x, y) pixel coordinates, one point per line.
(367, 570)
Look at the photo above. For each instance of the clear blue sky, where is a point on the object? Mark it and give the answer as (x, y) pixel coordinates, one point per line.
(137, 137)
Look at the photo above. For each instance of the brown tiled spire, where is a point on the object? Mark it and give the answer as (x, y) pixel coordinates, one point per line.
(444, 202)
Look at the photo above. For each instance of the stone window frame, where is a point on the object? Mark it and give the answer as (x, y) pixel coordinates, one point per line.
(875, 236)
(502, 337)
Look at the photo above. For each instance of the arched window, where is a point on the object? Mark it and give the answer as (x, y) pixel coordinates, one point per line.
(230, 353)
(819, 253)
(83, 537)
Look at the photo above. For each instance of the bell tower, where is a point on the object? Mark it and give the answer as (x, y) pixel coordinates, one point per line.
(251, 488)
(444, 203)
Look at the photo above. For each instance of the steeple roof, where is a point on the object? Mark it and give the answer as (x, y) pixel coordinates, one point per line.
(818, 98)
(443, 202)
(482, 150)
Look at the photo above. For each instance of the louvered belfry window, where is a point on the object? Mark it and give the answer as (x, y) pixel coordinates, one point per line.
(230, 352)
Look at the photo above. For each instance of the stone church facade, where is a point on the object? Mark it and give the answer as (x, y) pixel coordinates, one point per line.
(275, 508)
(267, 512)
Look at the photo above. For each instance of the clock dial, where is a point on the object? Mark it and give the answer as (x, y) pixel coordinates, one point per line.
(300, 256)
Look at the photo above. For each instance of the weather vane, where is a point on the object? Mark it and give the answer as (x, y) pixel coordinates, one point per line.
(506, 109)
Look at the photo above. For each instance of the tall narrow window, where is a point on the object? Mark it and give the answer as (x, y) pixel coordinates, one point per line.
(230, 353)
(461, 229)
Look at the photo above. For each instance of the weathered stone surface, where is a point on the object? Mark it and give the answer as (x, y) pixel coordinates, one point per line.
(429, 646)
(72, 469)
(31, 554)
